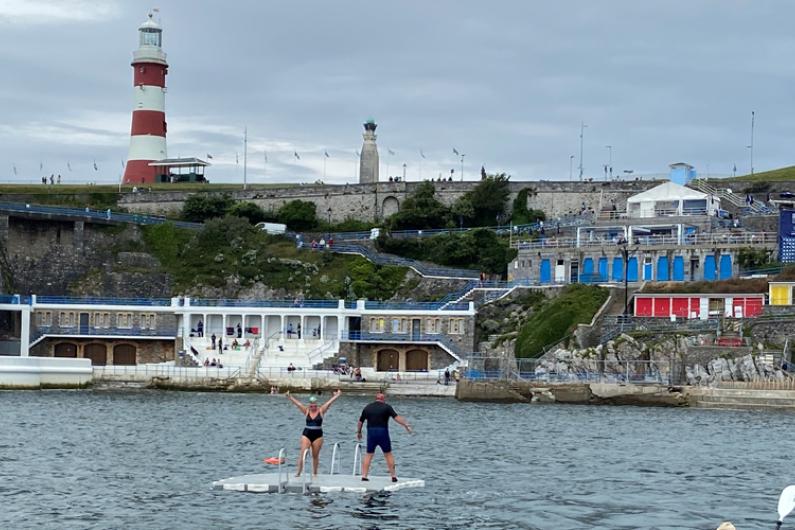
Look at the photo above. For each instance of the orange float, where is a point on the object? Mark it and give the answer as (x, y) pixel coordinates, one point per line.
(273, 460)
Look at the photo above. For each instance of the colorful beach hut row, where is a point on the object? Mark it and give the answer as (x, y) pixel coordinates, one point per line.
(699, 306)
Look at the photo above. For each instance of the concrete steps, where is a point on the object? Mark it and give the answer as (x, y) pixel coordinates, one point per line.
(742, 399)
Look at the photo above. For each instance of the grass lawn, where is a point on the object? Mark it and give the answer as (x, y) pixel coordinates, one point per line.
(781, 174)
(41, 189)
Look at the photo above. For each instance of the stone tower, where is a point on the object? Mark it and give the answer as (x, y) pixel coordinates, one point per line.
(148, 132)
(368, 163)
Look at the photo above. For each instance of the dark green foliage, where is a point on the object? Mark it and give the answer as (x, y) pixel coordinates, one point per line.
(755, 258)
(202, 206)
(421, 210)
(477, 249)
(230, 248)
(485, 203)
(521, 214)
(348, 225)
(558, 317)
(298, 215)
(250, 211)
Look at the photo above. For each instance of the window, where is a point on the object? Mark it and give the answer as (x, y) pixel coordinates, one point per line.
(395, 325)
(377, 325)
(148, 321)
(44, 318)
(404, 325)
(66, 319)
(433, 325)
(457, 326)
(101, 320)
(124, 320)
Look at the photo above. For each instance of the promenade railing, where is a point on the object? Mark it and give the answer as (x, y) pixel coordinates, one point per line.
(145, 372)
(74, 300)
(97, 215)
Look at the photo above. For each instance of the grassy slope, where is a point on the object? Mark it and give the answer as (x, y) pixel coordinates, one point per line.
(781, 174)
(576, 304)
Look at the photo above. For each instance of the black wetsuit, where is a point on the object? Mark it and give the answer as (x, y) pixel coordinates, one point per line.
(314, 427)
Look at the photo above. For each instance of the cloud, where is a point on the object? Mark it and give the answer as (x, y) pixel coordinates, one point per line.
(28, 12)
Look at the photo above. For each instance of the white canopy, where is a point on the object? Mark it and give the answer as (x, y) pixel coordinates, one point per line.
(669, 199)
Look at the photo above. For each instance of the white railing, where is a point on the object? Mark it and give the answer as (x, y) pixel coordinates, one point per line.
(320, 353)
(707, 239)
(146, 372)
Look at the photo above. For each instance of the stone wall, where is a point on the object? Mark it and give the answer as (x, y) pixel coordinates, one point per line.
(458, 329)
(366, 355)
(146, 351)
(368, 202)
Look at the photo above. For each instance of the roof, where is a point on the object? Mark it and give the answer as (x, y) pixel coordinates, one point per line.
(680, 164)
(668, 191)
(150, 23)
(179, 162)
(699, 295)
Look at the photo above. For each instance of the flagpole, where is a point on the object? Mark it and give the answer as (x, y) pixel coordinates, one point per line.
(324, 166)
(245, 155)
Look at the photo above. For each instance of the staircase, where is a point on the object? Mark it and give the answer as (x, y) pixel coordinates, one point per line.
(758, 207)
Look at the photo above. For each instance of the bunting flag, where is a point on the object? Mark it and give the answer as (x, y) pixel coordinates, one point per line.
(122, 164)
(422, 154)
(391, 152)
(209, 156)
(14, 167)
(41, 166)
(455, 151)
(326, 153)
(69, 166)
(735, 168)
(295, 154)
(95, 166)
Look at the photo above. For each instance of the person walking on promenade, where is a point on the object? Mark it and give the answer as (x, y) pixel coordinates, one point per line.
(312, 436)
(377, 415)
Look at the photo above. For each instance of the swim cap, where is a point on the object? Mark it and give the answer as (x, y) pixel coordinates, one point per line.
(313, 399)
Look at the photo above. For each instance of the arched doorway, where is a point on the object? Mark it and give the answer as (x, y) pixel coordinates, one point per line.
(417, 361)
(65, 349)
(388, 361)
(98, 353)
(124, 354)
(389, 206)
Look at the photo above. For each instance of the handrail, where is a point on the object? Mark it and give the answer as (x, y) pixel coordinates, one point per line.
(305, 485)
(334, 455)
(160, 302)
(281, 486)
(357, 457)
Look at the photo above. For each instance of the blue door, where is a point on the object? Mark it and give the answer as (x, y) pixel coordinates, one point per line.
(647, 272)
(709, 268)
(662, 269)
(632, 270)
(618, 269)
(546, 271)
(725, 266)
(603, 269)
(679, 269)
(587, 271)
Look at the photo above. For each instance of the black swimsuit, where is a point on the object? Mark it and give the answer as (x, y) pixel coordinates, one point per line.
(314, 427)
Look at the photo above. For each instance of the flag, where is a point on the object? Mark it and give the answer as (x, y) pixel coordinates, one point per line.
(295, 154)
(95, 166)
(326, 153)
(735, 168)
(122, 164)
(15, 169)
(358, 154)
(69, 166)
(237, 159)
(41, 166)
(209, 156)
(455, 151)
(422, 154)
(391, 152)
(266, 157)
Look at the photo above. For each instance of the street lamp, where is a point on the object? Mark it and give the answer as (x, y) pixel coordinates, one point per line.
(328, 235)
(626, 252)
(571, 166)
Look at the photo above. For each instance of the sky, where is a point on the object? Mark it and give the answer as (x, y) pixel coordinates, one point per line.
(508, 83)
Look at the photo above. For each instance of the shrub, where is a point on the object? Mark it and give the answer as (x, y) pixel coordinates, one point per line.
(200, 207)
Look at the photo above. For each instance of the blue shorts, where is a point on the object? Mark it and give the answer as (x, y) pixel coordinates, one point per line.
(378, 437)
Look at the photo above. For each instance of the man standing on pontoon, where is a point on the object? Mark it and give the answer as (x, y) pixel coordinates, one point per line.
(377, 415)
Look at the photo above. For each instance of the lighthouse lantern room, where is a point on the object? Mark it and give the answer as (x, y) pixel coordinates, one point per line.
(148, 131)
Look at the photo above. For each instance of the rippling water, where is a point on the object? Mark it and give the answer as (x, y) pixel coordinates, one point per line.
(146, 459)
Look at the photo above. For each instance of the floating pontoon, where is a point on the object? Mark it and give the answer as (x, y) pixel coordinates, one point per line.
(283, 482)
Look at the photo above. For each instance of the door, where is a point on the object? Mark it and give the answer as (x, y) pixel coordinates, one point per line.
(84, 323)
(693, 269)
(388, 361)
(618, 269)
(647, 272)
(65, 349)
(416, 328)
(575, 270)
(679, 269)
(560, 271)
(725, 271)
(603, 269)
(98, 353)
(587, 270)
(662, 269)
(124, 354)
(546, 271)
(354, 328)
(416, 361)
(632, 270)
(709, 268)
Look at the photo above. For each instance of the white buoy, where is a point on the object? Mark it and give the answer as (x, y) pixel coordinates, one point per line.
(786, 503)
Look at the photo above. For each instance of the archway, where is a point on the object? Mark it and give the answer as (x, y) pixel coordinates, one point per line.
(389, 206)
(98, 353)
(417, 361)
(65, 349)
(388, 361)
(124, 354)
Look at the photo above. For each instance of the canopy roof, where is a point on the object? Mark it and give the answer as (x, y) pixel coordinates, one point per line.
(179, 162)
(668, 191)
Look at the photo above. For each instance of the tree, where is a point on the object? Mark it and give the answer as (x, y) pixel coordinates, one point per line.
(421, 210)
(250, 211)
(298, 215)
(200, 207)
(488, 200)
(521, 214)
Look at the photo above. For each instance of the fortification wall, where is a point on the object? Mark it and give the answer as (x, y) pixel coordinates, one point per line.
(372, 202)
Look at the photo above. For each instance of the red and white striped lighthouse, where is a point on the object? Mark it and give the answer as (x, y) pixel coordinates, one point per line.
(148, 132)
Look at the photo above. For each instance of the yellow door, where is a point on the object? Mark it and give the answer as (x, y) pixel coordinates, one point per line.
(779, 295)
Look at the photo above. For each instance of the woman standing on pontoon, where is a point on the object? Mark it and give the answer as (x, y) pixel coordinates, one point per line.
(312, 437)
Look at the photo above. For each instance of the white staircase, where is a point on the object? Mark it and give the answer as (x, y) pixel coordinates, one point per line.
(281, 352)
(238, 358)
(726, 195)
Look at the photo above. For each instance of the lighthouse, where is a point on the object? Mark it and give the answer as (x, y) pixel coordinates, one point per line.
(148, 131)
(368, 161)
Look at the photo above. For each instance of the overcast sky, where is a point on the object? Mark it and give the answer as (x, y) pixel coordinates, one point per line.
(505, 82)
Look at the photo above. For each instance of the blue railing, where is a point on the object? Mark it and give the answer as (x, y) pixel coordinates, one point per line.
(99, 215)
(160, 302)
(223, 302)
(389, 259)
(14, 299)
(408, 306)
(368, 336)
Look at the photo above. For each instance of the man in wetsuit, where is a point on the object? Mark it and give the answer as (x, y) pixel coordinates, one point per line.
(377, 415)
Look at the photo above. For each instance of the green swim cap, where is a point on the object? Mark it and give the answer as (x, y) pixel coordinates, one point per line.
(313, 399)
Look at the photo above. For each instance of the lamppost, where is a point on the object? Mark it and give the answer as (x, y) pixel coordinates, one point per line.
(328, 235)
(626, 252)
(571, 166)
